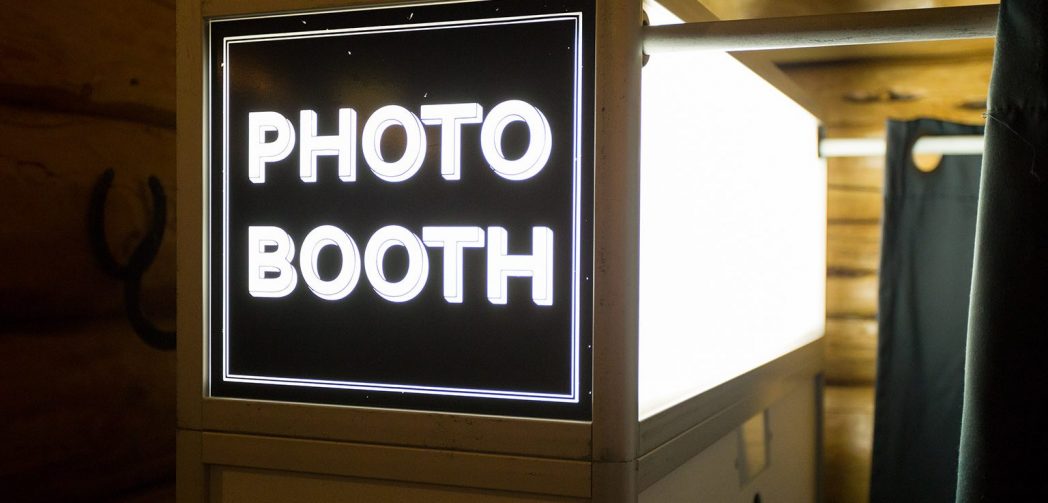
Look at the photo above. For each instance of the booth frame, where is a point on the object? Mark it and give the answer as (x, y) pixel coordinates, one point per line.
(609, 459)
(557, 458)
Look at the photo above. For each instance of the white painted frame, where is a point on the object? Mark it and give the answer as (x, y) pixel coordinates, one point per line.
(609, 459)
(606, 445)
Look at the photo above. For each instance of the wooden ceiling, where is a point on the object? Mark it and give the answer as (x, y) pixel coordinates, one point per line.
(854, 89)
(857, 97)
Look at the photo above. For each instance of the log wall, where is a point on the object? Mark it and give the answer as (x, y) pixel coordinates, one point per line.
(85, 85)
(853, 231)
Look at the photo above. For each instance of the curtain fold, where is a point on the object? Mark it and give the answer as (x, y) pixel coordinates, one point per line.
(1004, 432)
(925, 277)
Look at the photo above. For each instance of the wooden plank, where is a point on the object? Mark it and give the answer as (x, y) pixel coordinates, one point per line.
(88, 412)
(851, 352)
(233, 485)
(853, 249)
(428, 466)
(865, 93)
(49, 164)
(851, 296)
(853, 237)
(847, 443)
(853, 206)
(110, 58)
(431, 430)
(856, 173)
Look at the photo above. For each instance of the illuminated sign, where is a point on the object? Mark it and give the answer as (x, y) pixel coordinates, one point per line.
(401, 207)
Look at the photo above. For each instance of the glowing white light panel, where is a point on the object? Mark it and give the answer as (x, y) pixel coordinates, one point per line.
(733, 219)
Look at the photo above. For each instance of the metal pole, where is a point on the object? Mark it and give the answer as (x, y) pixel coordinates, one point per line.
(913, 25)
(864, 147)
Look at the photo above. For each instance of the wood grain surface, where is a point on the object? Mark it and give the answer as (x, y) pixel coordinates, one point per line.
(851, 351)
(49, 164)
(112, 58)
(847, 443)
(865, 93)
(85, 85)
(88, 412)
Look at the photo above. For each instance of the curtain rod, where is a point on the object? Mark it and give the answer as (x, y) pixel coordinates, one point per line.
(911, 25)
(871, 147)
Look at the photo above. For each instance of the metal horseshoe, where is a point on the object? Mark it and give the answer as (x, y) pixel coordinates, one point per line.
(141, 258)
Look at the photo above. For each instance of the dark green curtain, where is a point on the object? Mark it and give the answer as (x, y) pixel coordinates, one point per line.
(925, 278)
(1004, 432)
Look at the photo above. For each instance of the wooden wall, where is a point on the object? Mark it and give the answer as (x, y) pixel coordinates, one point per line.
(85, 85)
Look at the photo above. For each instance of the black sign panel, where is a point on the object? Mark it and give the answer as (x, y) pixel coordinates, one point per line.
(401, 207)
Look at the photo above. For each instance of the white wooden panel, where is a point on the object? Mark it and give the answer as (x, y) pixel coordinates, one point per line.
(233, 485)
(790, 475)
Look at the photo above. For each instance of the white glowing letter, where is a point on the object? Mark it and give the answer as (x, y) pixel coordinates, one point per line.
(453, 240)
(414, 150)
(539, 145)
(418, 263)
(346, 280)
(450, 118)
(260, 262)
(259, 151)
(311, 146)
(538, 265)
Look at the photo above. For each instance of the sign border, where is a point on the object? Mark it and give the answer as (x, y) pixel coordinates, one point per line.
(573, 396)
